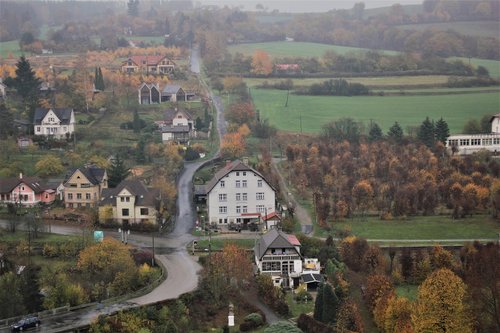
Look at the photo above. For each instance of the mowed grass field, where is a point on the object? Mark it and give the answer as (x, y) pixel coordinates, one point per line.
(472, 28)
(493, 66)
(10, 47)
(425, 228)
(312, 112)
(297, 49)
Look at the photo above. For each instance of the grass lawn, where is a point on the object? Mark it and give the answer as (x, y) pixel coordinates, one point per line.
(493, 66)
(297, 49)
(425, 227)
(409, 291)
(473, 28)
(311, 112)
(296, 309)
(10, 47)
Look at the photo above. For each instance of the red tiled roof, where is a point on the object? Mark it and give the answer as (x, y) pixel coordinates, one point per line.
(293, 240)
(150, 59)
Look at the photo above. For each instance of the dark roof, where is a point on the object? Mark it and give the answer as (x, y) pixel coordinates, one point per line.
(64, 115)
(143, 196)
(8, 184)
(235, 165)
(312, 277)
(273, 239)
(149, 86)
(175, 129)
(199, 190)
(171, 89)
(94, 175)
(170, 114)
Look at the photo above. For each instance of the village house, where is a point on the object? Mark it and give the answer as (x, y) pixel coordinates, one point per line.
(25, 191)
(3, 89)
(83, 186)
(149, 93)
(55, 122)
(178, 126)
(130, 202)
(238, 194)
(464, 144)
(148, 64)
(278, 254)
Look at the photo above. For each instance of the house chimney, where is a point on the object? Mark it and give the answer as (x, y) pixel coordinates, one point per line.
(20, 175)
(245, 160)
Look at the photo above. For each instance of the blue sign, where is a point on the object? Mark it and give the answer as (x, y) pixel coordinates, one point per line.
(98, 236)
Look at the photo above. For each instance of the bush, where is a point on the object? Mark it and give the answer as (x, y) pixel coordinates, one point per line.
(302, 295)
(191, 154)
(310, 325)
(49, 250)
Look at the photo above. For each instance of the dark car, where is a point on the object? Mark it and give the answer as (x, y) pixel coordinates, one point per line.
(26, 323)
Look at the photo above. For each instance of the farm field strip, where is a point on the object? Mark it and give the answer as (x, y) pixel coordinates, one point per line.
(310, 113)
(298, 49)
(472, 28)
(493, 66)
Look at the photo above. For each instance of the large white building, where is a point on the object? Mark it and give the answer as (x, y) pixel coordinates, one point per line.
(56, 122)
(239, 194)
(464, 144)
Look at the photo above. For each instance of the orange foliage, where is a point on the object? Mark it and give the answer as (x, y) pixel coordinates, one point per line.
(261, 63)
(233, 145)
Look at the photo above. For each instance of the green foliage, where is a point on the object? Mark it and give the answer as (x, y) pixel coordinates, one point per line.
(117, 171)
(282, 327)
(426, 133)
(442, 130)
(7, 127)
(338, 87)
(318, 303)
(10, 294)
(27, 86)
(343, 129)
(375, 133)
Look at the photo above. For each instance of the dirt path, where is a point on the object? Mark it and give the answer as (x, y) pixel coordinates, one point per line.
(300, 213)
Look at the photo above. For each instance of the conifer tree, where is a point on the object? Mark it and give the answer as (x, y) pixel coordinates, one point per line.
(318, 305)
(375, 133)
(117, 171)
(330, 304)
(442, 130)
(101, 80)
(426, 133)
(395, 133)
(27, 86)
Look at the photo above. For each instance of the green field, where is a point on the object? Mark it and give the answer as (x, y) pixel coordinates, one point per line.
(10, 47)
(493, 66)
(474, 28)
(297, 49)
(312, 112)
(147, 39)
(425, 228)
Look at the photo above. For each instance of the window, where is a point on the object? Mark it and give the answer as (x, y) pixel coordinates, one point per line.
(260, 209)
(245, 197)
(243, 183)
(87, 196)
(222, 197)
(222, 183)
(244, 173)
(259, 183)
(464, 142)
(238, 184)
(496, 141)
(475, 142)
(259, 195)
(124, 211)
(237, 173)
(79, 196)
(274, 266)
(144, 211)
(244, 209)
(222, 209)
(238, 209)
(122, 199)
(70, 196)
(238, 196)
(487, 142)
(38, 129)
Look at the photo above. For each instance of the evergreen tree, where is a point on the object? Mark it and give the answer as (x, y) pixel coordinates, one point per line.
(330, 304)
(101, 80)
(442, 130)
(7, 127)
(27, 86)
(426, 133)
(117, 171)
(318, 305)
(136, 124)
(395, 133)
(375, 133)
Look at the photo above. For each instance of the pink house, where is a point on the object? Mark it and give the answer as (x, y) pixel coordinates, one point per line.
(27, 191)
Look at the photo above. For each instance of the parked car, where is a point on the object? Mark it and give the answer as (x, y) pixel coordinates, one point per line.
(26, 323)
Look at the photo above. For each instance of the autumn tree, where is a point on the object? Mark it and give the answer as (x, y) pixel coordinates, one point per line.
(343, 129)
(49, 165)
(261, 63)
(362, 192)
(349, 318)
(377, 286)
(233, 145)
(441, 305)
(240, 113)
(397, 315)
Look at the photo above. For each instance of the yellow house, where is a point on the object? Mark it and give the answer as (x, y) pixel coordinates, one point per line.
(130, 202)
(83, 187)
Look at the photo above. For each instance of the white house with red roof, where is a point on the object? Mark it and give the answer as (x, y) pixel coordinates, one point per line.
(239, 194)
(148, 64)
(278, 254)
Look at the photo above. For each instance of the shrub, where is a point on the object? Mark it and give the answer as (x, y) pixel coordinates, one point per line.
(256, 318)
(49, 250)
(310, 325)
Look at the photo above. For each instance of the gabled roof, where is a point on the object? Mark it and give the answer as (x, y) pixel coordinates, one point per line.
(9, 184)
(150, 86)
(274, 239)
(93, 174)
(494, 116)
(170, 114)
(149, 59)
(235, 165)
(64, 115)
(143, 196)
(171, 89)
